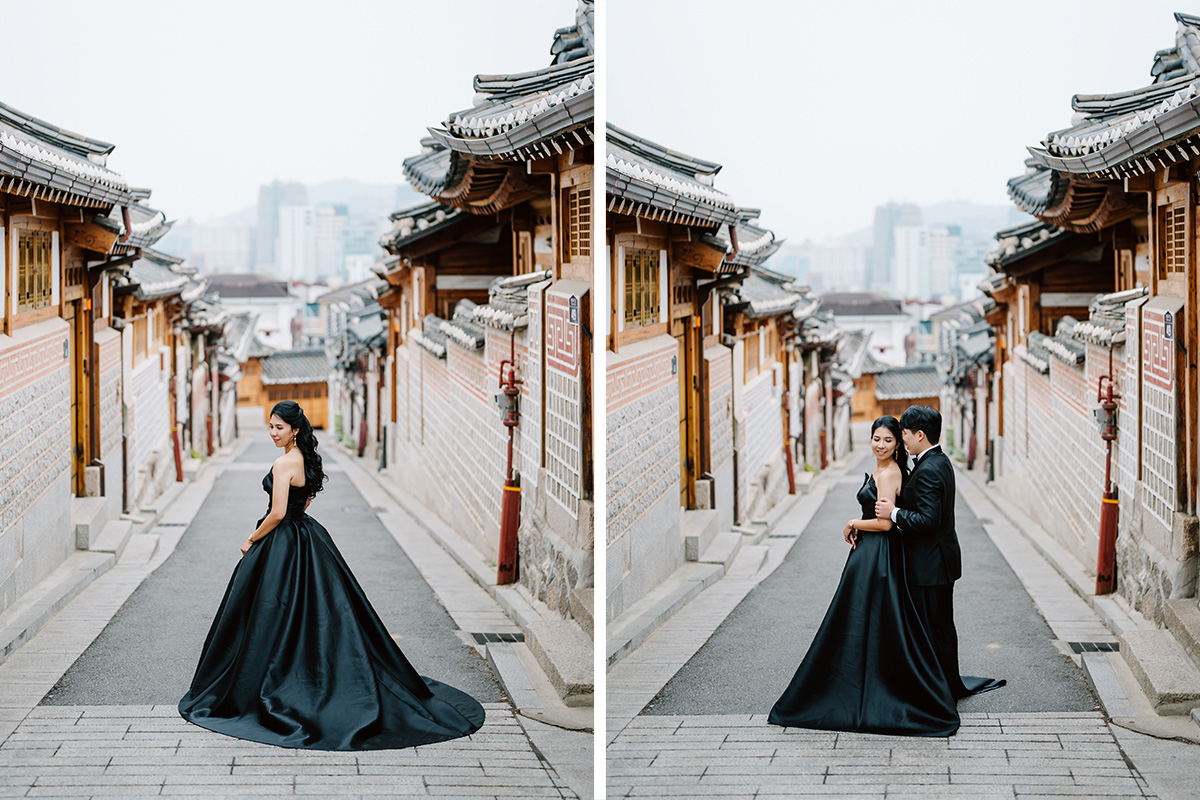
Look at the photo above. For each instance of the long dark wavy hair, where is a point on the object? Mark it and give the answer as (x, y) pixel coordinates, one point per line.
(314, 475)
(901, 454)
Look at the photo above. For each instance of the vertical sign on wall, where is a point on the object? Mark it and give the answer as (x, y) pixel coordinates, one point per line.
(1160, 408)
(564, 436)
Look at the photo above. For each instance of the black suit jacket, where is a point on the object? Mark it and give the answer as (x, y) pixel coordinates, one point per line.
(926, 522)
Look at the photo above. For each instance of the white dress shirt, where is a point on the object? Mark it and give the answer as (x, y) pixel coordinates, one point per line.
(917, 460)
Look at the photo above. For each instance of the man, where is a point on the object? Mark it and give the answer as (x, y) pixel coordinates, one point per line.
(933, 559)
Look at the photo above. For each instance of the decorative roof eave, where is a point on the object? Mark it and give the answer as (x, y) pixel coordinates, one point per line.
(480, 187)
(565, 126)
(1088, 206)
(1036, 357)
(508, 301)
(1018, 243)
(1036, 190)
(412, 225)
(1174, 127)
(92, 149)
(430, 337)
(41, 161)
(1063, 347)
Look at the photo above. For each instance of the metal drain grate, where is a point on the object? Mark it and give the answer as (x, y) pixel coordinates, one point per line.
(484, 638)
(1094, 647)
(781, 536)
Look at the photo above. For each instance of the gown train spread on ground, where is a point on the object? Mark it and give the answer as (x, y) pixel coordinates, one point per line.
(297, 657)
(872, 666)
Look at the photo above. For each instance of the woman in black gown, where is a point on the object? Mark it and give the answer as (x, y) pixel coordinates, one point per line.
(872, 666)
(296, 656)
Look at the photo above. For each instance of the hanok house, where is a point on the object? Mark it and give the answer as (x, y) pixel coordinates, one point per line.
(762, 312)
(67, 378)
(496, 271)
(356, 341)
(302, 376)
(705, 378)
(1116, 204)
(828, 390)
(147, 297)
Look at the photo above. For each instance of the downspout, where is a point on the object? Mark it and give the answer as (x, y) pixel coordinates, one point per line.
(124, 237)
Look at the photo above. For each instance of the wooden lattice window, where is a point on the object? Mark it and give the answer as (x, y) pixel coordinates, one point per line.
(1174, 233)
(34, 273)
(579, 222)
(641, 288)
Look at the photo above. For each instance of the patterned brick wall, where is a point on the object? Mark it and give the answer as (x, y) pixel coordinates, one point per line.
(643, 433)
(764, 423)
(148, 428)
(451, 448)
(1053, 445)
(109, 343)
(564, 403)
(720, 406)
(35, 447)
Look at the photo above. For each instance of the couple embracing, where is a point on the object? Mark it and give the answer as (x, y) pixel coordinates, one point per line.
(885, 659)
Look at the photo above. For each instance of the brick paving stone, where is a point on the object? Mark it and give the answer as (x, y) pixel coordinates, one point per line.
(57, 752)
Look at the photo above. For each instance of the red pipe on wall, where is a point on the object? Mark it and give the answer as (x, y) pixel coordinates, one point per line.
(510, 506)
(1106, 555)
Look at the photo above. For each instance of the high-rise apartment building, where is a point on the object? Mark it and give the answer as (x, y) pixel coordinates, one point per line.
(271, 198)
(886, 219)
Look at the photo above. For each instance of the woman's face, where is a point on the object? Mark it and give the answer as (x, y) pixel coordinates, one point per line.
(281, 432)
(883, 443)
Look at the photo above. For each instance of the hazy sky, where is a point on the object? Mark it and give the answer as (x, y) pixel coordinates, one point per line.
(206, 101)
(821, 111)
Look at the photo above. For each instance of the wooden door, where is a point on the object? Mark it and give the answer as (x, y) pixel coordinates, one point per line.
(80, 416)
(689, 440)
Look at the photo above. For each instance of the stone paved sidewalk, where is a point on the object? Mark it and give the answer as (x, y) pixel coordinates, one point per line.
(1001, 755)
(149, 751)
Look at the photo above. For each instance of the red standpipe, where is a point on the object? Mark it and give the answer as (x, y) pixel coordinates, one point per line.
(1106, 556)
(787, 442)
(510, 506)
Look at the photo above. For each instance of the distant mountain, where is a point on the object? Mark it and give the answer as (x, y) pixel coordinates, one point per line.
(369, 200)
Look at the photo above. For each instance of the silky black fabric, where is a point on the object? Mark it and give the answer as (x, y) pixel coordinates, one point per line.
(872, 666)
(297, 657)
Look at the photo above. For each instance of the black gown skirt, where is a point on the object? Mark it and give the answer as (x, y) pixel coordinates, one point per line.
(872, 667)
(297, 657)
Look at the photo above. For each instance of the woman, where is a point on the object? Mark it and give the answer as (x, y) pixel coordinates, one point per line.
(872, 666)
(296, 656)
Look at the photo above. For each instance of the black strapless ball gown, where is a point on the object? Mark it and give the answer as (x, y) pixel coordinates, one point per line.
(872, 667)
(297, 657)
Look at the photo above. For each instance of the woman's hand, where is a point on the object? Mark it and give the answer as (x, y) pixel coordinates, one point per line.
(850, 535)
(246, 545)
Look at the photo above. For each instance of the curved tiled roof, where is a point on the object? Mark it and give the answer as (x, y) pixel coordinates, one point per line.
(645, 179)
(908, 383)
(44, 161)
(1121, 132)
(295, 366)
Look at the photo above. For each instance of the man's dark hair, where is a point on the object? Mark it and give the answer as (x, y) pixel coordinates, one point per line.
(923, 418)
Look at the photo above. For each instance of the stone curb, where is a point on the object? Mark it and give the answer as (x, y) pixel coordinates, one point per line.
(22, 622)
(510, 599)
(641, 620)
(1110, 613)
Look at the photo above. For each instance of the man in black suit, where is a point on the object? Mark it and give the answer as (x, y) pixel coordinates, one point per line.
(925, 521)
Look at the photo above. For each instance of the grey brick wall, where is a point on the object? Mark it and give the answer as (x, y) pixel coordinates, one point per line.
(35, 492)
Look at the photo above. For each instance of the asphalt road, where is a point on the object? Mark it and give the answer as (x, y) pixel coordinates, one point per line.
(752, 656)
(149, 650)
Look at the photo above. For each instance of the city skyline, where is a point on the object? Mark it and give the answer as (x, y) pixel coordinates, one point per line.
(296, 96)
(946, 96)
